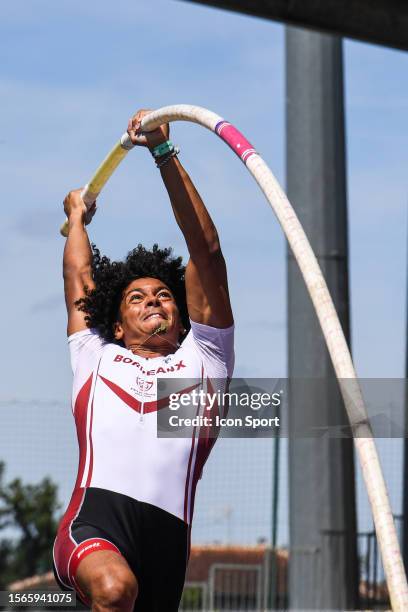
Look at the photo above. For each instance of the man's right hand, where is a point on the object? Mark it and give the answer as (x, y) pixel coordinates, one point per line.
(77, 268)
(74, 206)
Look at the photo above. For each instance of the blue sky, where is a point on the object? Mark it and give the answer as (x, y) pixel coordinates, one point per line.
(71, 75)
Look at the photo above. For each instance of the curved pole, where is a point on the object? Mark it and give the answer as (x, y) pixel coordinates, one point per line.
(326, 313)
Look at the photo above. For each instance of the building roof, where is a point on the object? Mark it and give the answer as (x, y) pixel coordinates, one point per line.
(383, 22)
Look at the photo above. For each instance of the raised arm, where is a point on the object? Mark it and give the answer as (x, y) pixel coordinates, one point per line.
(206, 274)
(77, 265)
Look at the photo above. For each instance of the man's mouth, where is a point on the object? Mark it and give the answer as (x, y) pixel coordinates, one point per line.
(154, 315)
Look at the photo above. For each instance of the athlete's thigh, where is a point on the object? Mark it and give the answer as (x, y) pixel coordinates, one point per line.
(99, 565)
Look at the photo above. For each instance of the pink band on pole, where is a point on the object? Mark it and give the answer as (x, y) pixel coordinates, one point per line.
(234, 139)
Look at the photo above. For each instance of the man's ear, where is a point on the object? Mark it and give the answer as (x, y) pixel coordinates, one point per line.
(118, 330)
(182, 330)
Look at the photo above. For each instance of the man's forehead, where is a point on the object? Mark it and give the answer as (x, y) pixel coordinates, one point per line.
(145, 284)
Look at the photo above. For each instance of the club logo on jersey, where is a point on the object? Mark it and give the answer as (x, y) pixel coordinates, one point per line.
(144, 385)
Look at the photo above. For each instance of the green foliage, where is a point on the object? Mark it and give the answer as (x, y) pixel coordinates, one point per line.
(192, 598)
(30, 510)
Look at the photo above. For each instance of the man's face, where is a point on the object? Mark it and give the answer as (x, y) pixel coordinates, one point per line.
(147, 303)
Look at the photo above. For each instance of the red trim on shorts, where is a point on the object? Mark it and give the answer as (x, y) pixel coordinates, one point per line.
(84, 549)
(64, 543)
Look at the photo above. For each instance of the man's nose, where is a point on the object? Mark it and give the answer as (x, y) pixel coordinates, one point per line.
(153, 300)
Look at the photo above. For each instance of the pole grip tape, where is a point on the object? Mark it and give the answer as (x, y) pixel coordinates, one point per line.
(103, 174)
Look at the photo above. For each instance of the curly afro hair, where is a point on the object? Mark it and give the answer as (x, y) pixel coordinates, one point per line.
(101, 305)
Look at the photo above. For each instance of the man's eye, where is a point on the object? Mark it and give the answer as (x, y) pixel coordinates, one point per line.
(134, 297)
(165, 294)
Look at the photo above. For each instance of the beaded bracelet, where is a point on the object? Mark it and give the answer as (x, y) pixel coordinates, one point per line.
(167, 158)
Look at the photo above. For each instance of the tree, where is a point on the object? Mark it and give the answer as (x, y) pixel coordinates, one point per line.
(29, 509)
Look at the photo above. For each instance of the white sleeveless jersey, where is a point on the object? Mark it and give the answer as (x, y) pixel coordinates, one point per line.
(115, 410)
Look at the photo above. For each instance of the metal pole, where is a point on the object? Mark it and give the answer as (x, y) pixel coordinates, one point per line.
(321, 469)
(272, 566)
(405, 472)
(275, 490)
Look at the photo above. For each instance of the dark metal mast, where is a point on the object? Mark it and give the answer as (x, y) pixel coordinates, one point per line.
(323, 558)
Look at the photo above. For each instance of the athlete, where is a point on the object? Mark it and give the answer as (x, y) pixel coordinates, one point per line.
(124, 540)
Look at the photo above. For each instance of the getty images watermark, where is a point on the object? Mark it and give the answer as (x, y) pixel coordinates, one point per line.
(297, 408)
(218, 408)
(211, 402)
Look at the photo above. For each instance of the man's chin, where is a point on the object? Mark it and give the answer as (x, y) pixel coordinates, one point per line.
(160, 326)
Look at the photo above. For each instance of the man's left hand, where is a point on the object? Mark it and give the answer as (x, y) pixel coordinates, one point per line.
(146, 139)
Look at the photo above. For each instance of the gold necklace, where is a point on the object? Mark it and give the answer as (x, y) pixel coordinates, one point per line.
(162, 328)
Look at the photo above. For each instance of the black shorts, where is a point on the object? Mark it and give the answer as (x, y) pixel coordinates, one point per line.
(153, 542)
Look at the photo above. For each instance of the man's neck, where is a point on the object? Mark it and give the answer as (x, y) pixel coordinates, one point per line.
(150, 352)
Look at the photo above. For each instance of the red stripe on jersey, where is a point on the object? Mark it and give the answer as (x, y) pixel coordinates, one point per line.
(80, 414)
(188, 543)
(186, 489)
(164, 401)
(135, 404)
(207, 436)
(90, 468)
(64, 544)
(131, 401)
